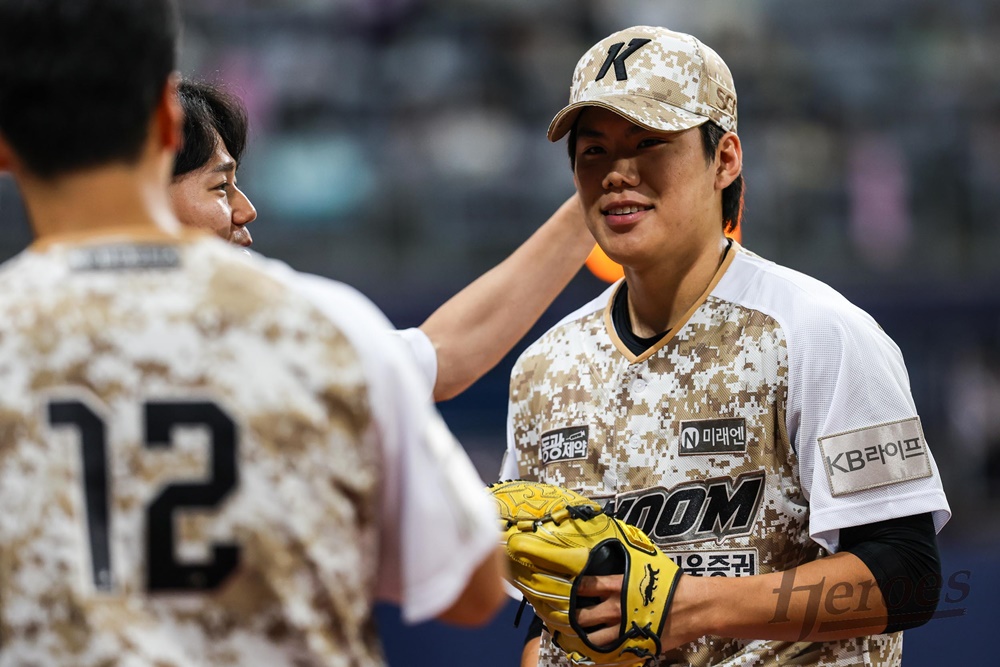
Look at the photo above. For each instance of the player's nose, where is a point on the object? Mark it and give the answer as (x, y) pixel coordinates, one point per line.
(622, 172)
(243, 209)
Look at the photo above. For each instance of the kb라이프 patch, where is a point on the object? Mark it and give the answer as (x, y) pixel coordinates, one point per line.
(875, 456)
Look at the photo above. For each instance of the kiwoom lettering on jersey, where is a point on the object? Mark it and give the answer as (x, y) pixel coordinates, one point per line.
(564, 444)
(875, 456)
(713, 436)
(715, 508)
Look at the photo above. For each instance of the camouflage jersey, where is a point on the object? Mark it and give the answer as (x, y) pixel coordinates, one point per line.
(210, 460)
(773, 414)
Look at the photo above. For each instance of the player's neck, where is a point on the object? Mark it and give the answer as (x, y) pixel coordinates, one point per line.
(660, 295)
(102, 198)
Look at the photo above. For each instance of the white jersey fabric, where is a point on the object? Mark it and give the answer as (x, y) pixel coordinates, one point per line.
(215, 460)
(773, 415)
(422, 350)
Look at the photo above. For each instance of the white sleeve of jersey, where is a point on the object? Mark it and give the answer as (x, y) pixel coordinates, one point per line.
(508, 467)
(851, 417)
(438, 523)
(422, 350)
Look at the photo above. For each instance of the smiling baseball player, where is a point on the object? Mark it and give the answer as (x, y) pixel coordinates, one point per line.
(749, 419)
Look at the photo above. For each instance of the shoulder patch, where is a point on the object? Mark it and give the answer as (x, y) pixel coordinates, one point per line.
(875, 456)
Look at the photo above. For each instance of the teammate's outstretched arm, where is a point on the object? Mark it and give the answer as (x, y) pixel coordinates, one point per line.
(483, 595)
(474, 329)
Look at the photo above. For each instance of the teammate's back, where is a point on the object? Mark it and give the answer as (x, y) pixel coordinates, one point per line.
(206, 458)
(187, 442)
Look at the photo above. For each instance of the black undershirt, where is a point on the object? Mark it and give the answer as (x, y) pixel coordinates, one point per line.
(623, 324)
(902, 555)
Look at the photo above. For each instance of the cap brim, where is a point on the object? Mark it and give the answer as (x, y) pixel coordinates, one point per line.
(651, 114)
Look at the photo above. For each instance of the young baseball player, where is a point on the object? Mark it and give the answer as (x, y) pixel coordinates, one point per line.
(206, 458)
(461, 340)
(203, 191)
(754, 423)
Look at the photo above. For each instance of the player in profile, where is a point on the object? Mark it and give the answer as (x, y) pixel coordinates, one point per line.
(753, 422)
(462, 339)
(214, 460)
(203, 190)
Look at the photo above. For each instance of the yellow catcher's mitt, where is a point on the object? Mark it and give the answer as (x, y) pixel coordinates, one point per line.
(552, 536)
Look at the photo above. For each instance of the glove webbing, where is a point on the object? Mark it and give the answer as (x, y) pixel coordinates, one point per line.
(579, 512)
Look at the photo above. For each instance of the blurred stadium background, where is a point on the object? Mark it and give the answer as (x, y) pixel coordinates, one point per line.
(399, 145)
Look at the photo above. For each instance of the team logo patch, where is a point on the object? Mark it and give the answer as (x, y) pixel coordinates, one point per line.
(713, 436)
(876, 456)
(564, 444)
(617, 57)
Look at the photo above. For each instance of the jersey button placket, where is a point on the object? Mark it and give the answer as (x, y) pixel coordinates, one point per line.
(638, 387)
(622, 441)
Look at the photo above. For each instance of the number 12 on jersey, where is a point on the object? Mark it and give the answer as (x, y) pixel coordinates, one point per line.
(163, 571)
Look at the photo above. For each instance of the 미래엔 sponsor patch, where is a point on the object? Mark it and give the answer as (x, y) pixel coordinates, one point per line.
(875, 456)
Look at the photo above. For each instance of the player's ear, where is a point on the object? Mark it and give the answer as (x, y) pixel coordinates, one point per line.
(170, 115)
(728, 160)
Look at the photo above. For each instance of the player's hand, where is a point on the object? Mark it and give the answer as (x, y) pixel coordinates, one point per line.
(605, 615)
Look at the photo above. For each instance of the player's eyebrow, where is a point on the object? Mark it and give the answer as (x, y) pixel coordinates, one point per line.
(228, 165)
(588, 132)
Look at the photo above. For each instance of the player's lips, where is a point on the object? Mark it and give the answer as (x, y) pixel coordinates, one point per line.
(241, 236)
(624, 213)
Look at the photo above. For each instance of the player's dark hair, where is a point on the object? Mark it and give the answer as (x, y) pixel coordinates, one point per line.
(732, 195)
(209, 109)
(711, 135)
(80, 79)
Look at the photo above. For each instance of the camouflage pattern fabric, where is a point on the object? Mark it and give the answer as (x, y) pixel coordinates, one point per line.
(658, 78)
(106, 337)
(687, 442)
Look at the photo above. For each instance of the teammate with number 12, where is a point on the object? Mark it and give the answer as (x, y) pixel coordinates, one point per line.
(206, 458)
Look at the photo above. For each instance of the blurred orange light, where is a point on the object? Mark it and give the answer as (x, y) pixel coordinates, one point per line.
(603, 266)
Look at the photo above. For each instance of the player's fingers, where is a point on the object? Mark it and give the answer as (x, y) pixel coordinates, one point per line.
(608, 612)
(600, 587)
(603, 636)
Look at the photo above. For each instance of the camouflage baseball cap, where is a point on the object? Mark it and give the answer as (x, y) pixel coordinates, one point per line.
(657, 78)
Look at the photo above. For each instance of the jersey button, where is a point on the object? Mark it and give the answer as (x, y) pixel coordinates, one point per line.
(634, 441)
(639, 386)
